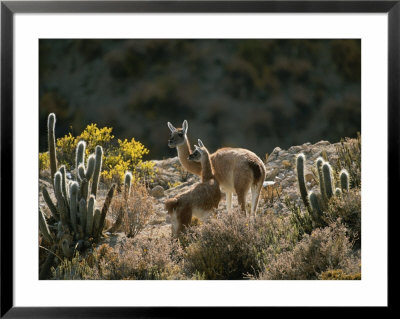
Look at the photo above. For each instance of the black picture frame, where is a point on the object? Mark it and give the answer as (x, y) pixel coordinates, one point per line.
(9, 8)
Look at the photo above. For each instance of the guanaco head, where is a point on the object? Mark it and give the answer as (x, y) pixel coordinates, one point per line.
(199, 152)
(178, 135)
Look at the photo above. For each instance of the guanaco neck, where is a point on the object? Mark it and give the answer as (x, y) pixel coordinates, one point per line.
(206, 169)
(184, 151)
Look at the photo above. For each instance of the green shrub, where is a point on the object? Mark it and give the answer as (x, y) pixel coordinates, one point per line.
(233, 246)
(325, 249)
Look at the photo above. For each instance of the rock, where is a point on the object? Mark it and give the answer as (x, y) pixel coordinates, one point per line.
(274, 154)
(320, 143)
(157, 191)
(295, 149)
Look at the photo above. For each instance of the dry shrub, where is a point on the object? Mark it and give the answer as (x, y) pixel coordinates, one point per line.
(270, 194)
(142, 258)
(133, 214)
(349, 157)
(233, 246)
(348, 208)
(325, 249)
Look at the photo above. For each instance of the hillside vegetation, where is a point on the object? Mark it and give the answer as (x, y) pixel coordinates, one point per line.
(288, 239)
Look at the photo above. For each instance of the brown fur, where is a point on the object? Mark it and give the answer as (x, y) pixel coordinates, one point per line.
(202, 197)
(237, 170)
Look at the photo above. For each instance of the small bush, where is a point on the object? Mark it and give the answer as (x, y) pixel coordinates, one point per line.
(347, 207)
(136, 210)
(142, 258)
(300, 220)
(349, 151)
(78, 268)
(325, 249)
(233, 246)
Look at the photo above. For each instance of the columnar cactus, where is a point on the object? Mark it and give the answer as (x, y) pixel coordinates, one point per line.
(90, 215)
(320, 162)
(77, 220)
(327, 173)
(51, 123)
(316, 210)
(127, 185)
(73, 203)
(97, 169)
(104, 210)
(80, 156)
(317, 203)
(44, 228)
(301, 179)
(344, 180)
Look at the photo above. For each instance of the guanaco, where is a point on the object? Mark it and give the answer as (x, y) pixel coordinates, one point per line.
(236, 169)
(200, 199)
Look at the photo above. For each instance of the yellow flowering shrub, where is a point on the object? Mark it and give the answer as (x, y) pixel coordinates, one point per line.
(66, 150)
(119, 155)
(44, 161)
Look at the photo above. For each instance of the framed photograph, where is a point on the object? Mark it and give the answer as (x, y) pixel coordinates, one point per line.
(196, 154)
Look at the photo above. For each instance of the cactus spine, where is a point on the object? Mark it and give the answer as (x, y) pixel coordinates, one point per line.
(301, 180)
(51, 122)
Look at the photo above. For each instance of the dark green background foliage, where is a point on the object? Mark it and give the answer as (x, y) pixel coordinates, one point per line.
(256, 94)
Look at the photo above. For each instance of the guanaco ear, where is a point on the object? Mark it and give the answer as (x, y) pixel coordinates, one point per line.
(200, 143)
(185, 126)
(171, 127)
(196, 147)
